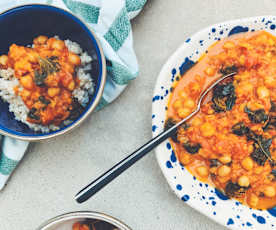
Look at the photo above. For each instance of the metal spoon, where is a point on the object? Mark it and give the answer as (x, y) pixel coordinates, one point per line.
(124, 164)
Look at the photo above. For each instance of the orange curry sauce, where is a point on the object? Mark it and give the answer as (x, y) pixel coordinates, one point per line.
(46, 74)
(221, 147)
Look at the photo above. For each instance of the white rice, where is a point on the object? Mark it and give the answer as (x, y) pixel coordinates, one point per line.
(16, 105)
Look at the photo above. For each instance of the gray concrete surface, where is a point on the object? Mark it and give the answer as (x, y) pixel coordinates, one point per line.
(52, 172)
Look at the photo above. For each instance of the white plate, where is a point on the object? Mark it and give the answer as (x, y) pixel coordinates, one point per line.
(200, 196)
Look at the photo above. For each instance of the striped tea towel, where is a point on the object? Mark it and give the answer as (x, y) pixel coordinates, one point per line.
(110, 20)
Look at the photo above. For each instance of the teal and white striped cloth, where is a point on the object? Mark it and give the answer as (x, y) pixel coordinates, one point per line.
(110, 20)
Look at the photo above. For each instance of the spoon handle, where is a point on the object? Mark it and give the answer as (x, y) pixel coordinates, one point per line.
(124, 164)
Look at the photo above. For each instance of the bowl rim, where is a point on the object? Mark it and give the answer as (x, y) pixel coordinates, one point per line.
(100, 88)
(83, 214)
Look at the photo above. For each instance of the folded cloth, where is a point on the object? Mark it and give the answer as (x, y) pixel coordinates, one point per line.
(110, 20)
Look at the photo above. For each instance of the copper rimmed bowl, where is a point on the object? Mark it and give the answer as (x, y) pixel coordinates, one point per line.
(65, 221)
(30, 21)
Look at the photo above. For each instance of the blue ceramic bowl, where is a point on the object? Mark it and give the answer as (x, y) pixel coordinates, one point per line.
(21, 25)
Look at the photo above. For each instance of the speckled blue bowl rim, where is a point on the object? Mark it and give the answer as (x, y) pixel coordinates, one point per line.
(213, 203)
(99, 89)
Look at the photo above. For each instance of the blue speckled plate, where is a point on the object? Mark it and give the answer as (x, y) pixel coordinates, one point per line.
(198, 195)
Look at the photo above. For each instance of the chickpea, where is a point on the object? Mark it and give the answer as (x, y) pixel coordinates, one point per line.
(271, 42)
(4, 60)
(189, 103)
(76, 226)
(213, 170)
(262, 92)
(69, 68)
(225, 159)
(27, 82)
(183, 112)
(242, 59)
(194, 88)
(196, 121)
(253, 200)
(40, 40)
(269, 81)
(224, 170)
(183, 94)
(247, 163)
(243, 181)
(210, 71)
(185, 158)
(57, 44)
(269, 191)
(202, 171)
(25, 94)
(258, 170)
(207, 130)
(32, 56)
(228, 45)
(74, 59)
(53, 92)
(250, 148)
(85, 227)
(71, 86)
(247, 87)
(177, 104)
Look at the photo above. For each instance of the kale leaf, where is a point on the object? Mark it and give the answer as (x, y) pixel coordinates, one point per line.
(170, 122)
(257, 116)
(234, 189)
(214, 163)
(43, 100)
(261, 150)
(223, 97)
(270, 124)
(48, 66)
(32, 114)
(228, 70)
(76, 110)
(273, 107)
(240, 129)
(191, 148)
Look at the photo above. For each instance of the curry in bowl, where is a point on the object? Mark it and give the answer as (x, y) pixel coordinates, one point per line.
(231, 143)
(46, 84)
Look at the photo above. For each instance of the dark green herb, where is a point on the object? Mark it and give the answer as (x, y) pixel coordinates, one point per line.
(223, 97)
(94, 224)
(273, 107)
(261, 194)
(170, 122)
(48, 66)
(43, 100)
(261, 145)
(228, 70)
(39, 78)
(234, 190)
(191, 148)
(270, 124)
(32, 114)
(240, 129)
(185, 126)
(76, 110)
(214, 163)
(257, 116)
(261, 150)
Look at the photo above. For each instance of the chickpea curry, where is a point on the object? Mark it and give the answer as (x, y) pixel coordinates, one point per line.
(91, 224)
(46, 73)
(231, 142)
